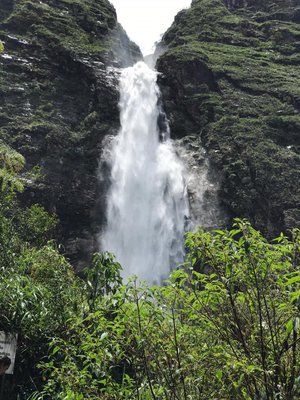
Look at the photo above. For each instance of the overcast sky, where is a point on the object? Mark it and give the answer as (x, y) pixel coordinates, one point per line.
(146, 20)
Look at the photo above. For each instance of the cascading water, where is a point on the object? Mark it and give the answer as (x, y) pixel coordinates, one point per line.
(147, 203)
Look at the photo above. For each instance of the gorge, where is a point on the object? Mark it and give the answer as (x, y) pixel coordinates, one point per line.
(238, 131)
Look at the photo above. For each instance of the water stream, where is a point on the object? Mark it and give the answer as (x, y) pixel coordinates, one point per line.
(147, 202)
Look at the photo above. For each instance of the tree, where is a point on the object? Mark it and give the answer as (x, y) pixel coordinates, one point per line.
(226, 326)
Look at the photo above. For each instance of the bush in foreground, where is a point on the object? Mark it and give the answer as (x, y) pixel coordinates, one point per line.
(226, 326)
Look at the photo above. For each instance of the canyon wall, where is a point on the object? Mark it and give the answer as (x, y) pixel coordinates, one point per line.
(230, 77)
(58, 100)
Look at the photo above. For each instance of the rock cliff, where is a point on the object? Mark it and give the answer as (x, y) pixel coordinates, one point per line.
(58, 100)
(230, 76)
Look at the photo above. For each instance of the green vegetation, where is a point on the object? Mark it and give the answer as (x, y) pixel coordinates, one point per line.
(78, 26)
(225, 326)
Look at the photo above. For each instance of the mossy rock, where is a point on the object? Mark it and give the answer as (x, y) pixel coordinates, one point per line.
(246, 109)
(59, 99)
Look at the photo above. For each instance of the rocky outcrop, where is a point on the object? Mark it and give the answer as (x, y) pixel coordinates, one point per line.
(230, 77)
(59, 99)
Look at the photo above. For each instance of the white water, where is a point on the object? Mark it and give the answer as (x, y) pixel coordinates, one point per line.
(147, 203)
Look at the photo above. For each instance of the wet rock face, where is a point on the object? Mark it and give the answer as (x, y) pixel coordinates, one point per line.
(58, 100)
(184, 84)
(229, 77)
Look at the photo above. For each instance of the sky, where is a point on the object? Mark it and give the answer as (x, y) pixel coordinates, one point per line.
(146, 20)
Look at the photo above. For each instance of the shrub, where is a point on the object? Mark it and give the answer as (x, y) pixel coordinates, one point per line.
(226, 326)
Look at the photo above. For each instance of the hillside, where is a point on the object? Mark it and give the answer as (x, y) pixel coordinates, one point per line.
(231, 77)
(59, 98)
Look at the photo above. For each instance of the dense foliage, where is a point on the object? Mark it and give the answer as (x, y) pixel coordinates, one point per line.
(225, 326)
(36, 282)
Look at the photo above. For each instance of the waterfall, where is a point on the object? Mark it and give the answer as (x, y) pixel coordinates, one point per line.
(147, 203)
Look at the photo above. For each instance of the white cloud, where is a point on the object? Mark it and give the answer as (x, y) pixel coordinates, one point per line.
(146, 20)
